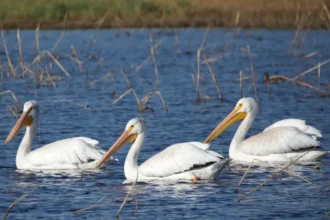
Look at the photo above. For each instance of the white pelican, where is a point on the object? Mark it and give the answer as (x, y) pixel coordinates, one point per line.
(284, 140)
(184, 161)
(72, 153)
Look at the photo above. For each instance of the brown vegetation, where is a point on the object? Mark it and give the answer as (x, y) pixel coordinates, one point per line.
(165, 13)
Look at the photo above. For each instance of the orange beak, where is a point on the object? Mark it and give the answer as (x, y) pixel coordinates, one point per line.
(125, 138)
(233, 117)
(24, 120)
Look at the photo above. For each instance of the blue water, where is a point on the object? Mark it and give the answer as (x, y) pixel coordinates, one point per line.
(57, 195)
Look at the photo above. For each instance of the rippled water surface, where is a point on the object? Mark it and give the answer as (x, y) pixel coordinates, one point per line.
(55, 195)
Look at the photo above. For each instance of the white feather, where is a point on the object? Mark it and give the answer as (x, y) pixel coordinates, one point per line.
(73, 151)
(177, 158)
(298, 123)
(277, 140)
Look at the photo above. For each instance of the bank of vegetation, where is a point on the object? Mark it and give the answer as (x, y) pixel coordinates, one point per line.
(164, 13)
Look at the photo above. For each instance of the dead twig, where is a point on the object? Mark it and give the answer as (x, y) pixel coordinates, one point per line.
(12, 69)
(301, 177)
(311, 69)
(139, 67)
(271, 177)
(50, 79)
(246, 172)
(294, 80)
(75, 57)
(13, 204)
(310, 55)
(243, 177)
(241, 83)
(122, 96)
(57, 63)
(152, 52)
(85, 106)
(58, 42)
(146, 98)
(199, 97)
(12, 94)
(194, 82)
(21, 57)
(100, 79)
(213, 76)
(92, 206)
(130, 86)
(13, 112)
(253, 76)
(128, 194)
(319, 78)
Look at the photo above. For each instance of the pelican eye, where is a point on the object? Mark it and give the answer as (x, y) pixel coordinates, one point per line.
(131, 128)
(30, 110)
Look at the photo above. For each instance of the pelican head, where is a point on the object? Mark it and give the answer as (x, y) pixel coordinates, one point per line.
(30, 111)
(244, 107)
(133, 128)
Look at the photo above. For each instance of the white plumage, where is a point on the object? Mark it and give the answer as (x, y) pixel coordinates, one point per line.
(72, 153)
(277, 140)
(178, 158)
(183, 161)
(299, 124)
(282, 141)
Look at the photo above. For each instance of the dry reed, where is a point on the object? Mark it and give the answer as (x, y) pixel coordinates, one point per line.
(21, 61)
(13, 204)
(100, 79)
(298, 82)
(241, 83)
(253, 76)
(301, 177)
(213, 77)
(92, 206)
(319, 78)
(128, 194)
(13, 112)
(311, 69)
(84, 106)
(197, 83)
(76, 59)
(12, 94)
(13, 70)
(58, 42)
(271, 177)
(141, 103)
(152, 52)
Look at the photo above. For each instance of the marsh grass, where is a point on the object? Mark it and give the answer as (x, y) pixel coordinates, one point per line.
(213, 77)
(46, 68)
(297, 79)
(142, 102)
(165, 13)
(196, 80)
(39, 67)
(254, 81)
